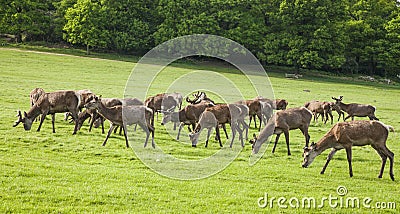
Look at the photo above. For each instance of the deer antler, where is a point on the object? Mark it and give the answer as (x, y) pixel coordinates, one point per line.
(19, 115)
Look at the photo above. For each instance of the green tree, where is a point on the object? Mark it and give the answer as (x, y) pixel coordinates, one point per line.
(368, 45)
(28, 19)
(306, 34)
(86, 24)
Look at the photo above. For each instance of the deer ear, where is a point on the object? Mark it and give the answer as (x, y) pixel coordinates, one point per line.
(25, 114)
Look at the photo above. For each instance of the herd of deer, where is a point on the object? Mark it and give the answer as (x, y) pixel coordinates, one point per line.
(203, 113)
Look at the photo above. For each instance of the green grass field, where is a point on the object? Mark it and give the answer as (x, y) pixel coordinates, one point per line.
(64, 173)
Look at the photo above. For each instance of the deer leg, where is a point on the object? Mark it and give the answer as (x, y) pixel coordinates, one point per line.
(276, 141)
(120, 130)
(224, 127)
(304, 130)
(346, 118)
(208, 135)
(328, 159)
(179, 130)
(109, 133)
(151, 128)
(218, 136)
(233, 129)
(53, 118)
(331, 116)
(102, 124)
(286, 132)
(246, 128)
(125, 134)
(260, 119)
(251, 117)
(41, 121)
(391, 159)
(384, 153)
(145, 129)
(94, 118)
(348, 152)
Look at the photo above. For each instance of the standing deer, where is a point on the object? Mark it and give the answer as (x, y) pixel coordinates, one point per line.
(124, 116)
(355, 109)
(345, 135)
(50, 103)
(282, 122)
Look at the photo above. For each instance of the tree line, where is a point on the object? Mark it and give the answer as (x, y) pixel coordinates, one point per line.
(342, 36)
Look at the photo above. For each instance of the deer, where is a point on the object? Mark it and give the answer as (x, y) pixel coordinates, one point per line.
(355, 109)
(345, 135)
(266, 109)
(186, 116)
(222, 115)
(163, 101)
(282, 122)
(85, 96)
(254, 110)
(207, 121)
(322, 108)
(123, 115)
(50, 103)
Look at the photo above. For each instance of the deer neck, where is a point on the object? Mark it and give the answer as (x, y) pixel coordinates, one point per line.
(106, 112)
(343, 106)
(326, 142)
(33, 112)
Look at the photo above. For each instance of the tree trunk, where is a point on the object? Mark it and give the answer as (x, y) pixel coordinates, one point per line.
(87, 49)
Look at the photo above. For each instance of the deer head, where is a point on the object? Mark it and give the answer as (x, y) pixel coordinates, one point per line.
(309, 155)
(25, 120)
(194, 137)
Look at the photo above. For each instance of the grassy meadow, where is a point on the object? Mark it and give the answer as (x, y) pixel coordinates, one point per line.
(45, 172)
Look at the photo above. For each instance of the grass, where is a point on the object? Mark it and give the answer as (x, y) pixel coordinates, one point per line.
(46, 172)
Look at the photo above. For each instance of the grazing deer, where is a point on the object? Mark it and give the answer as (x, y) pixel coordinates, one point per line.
(50, 103)
(186, 116)
(355, 109)
(125, 116)
(322, 108)
(207, 121)
(345, 135)
(282, 122)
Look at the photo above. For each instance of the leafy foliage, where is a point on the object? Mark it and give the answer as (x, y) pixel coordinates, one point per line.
(351, 36)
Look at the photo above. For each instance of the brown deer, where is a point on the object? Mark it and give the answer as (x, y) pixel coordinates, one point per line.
(320, 108)
(223, 116)
(355, 109)
(345, 135)
(50, 103)
(163, 102)
(282, 122)
(186, 116)
(124, 116)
